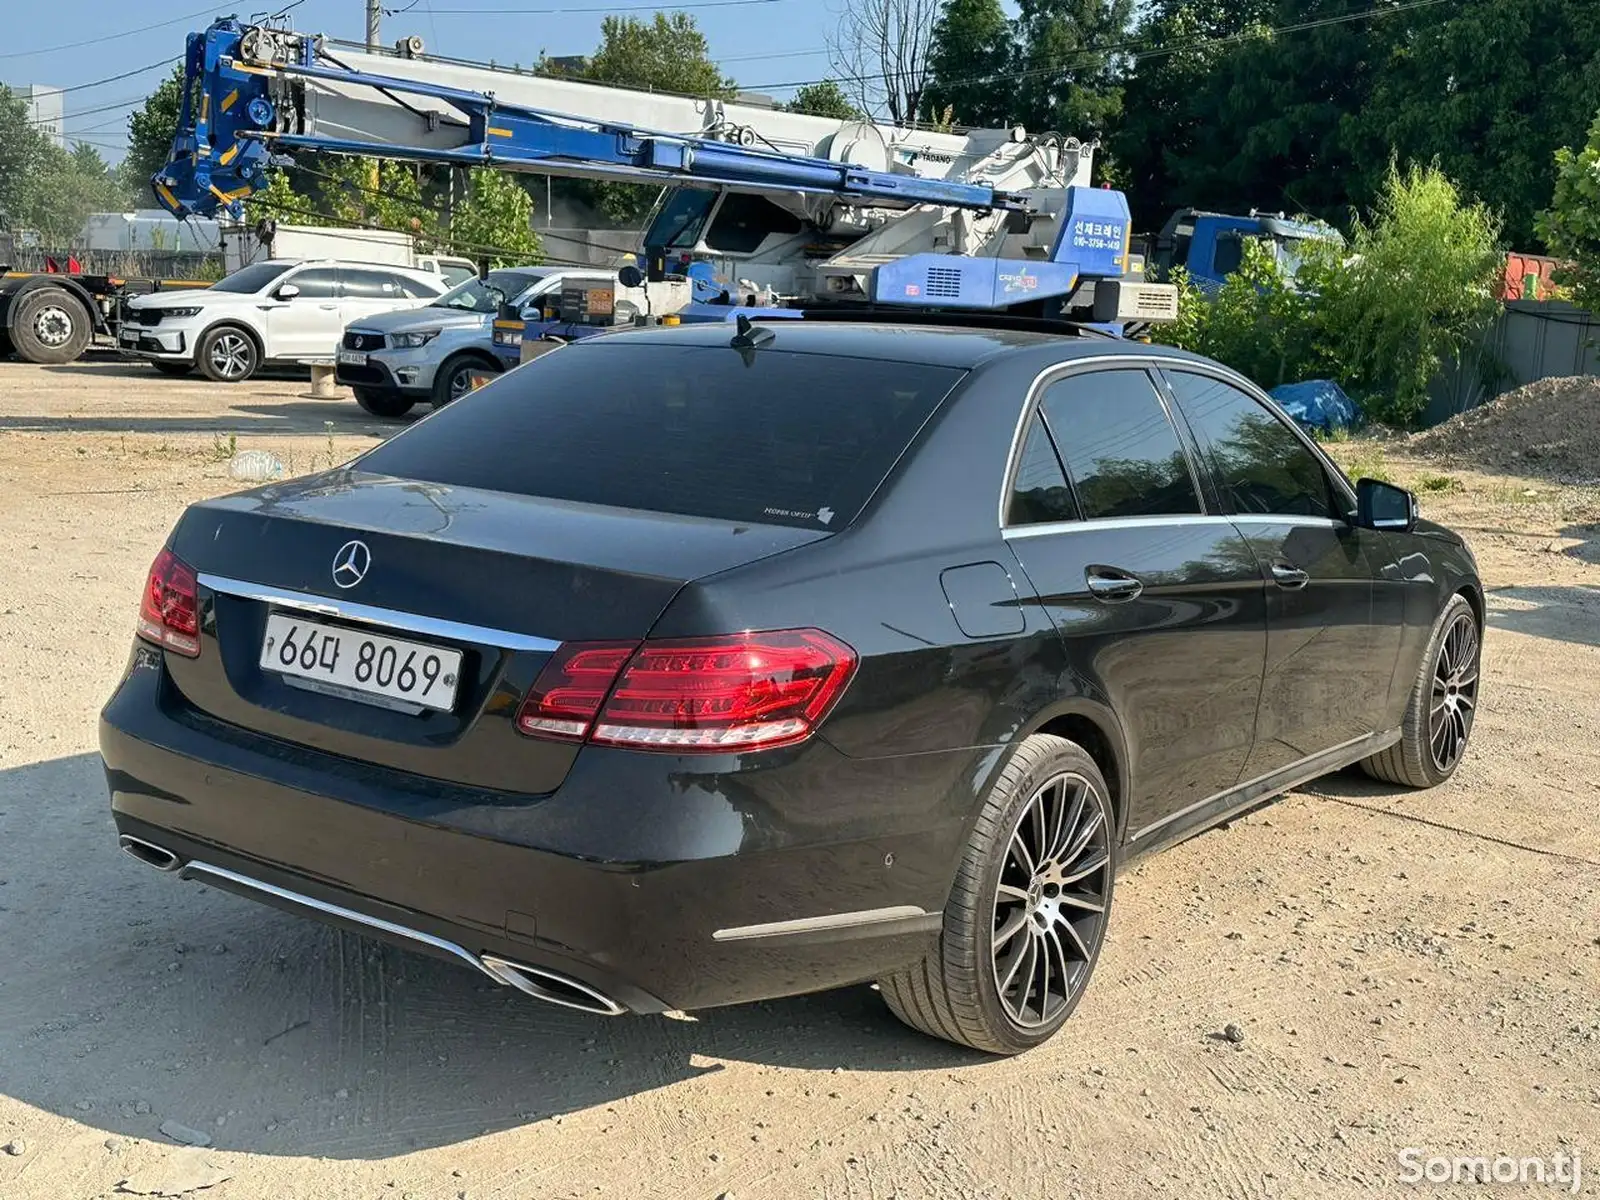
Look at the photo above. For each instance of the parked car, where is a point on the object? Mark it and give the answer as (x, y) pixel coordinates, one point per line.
(269, 312)
(741, 667)
(396, 360)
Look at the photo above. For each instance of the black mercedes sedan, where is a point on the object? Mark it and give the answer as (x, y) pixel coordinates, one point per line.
(679, 668)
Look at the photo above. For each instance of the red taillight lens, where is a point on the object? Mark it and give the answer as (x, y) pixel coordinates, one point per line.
(170, 613)
(743, 692)
(567, 696)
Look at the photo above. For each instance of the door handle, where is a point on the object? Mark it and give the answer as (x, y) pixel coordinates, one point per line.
(1287, 575)
(1111, 585)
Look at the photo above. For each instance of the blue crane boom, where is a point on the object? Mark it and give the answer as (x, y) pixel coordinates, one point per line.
(246, 111)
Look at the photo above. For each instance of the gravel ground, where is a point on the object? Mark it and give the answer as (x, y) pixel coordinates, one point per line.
(1403, 969)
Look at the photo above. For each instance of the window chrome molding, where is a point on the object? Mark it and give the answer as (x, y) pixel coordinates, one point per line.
(1094, 524)
(368, 614)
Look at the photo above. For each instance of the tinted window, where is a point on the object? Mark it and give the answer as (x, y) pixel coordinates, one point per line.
(251, 279)
(1229, 254)
(316, 283)
(1260, 465)
(416, 289)
(1119, 447)
(1040, 492)
(371, 285)
(682, 429)
(454, 275)
(744, 222)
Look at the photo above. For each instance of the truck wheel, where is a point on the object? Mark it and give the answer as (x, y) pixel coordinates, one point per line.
(50, 325)
(383, 404)
(1027, 914)
(227, 355)
(175, 369)
(455, 377)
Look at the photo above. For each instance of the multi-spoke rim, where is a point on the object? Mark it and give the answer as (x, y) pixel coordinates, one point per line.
(1454, 699)
(1050, 902)
(460, 382)
(230, 355)
(52, 325)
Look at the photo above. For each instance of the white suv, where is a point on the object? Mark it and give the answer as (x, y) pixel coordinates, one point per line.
(274, 311)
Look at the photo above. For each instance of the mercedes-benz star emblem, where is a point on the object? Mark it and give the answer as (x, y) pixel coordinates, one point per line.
(351, 563)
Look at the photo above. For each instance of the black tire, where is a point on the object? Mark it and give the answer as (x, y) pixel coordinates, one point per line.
(175, 369)
(50, 325)
(961, 991)
(1443, 704)
(228, 354)
(450, 381)
(383, 404)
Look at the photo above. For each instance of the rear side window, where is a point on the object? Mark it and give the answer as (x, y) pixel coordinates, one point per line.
(371, 285)
(317, 283)
(1040, 493)
(1119, 446)
(1260, 465)
(783, 439)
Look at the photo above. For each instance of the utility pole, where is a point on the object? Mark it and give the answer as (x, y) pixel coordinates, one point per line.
(374, 36)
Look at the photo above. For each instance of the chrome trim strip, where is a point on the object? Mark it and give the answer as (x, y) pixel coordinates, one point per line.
(514, 974)
(200, 871)
(1287, 519)
(1294, 781)
(1094, 523)
(368, 614)
(846, 920)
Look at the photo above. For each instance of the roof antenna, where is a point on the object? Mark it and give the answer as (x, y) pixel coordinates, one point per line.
(750, 335)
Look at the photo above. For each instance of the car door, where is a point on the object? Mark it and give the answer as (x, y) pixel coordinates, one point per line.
(1333, 629)
(367, 292)
(307, 324)
(1160, 603)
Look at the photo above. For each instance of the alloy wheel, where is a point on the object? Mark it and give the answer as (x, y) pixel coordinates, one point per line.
(460, 382)
(1454, 699)
(52, 325)
(1051, 899)
(230, 355)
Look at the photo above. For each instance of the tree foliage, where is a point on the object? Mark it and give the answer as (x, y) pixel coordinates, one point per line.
(45, 188)
(1571, 226)
(150, 131)
(1065, 81)
(1415, 291)
(969, 60)
(824, 99)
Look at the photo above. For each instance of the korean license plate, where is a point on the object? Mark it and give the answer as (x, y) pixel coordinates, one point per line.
(365, 664)
(354, 358)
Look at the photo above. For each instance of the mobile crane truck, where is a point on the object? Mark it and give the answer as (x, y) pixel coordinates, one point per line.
(763, 214)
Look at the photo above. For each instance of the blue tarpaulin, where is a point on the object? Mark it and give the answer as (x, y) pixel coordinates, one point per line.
(1317, 404)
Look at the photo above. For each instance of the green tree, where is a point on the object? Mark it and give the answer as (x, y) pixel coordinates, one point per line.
(497, 212)
(150, 131)
(824, 99)
(969, 64)
(23, 154)
(1489, 89)
(1571, 226)
(665, 54)
(1064, 80)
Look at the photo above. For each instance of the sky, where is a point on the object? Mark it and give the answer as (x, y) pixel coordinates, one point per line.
(760, 43)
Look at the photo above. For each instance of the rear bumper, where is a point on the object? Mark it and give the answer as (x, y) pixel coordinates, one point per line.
(687, 918)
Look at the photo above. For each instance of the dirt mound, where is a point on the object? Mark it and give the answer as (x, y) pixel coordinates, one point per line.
(1550, 428)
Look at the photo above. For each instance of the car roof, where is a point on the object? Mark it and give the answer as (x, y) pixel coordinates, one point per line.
(960, 346)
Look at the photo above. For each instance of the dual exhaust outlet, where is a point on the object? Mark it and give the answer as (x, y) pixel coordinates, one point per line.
(550, 986)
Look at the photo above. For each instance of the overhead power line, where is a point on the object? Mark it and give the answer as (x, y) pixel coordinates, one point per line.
(108, 37)
(1087, 54)
(94, 83)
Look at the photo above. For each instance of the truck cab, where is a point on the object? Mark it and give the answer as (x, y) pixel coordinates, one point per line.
(1210, 246)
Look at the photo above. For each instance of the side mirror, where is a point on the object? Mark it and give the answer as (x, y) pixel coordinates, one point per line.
(1381, 505)
(287, 292)
(630, 277)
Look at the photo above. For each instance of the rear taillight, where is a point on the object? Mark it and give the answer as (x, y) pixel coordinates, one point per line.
(170, 613)
(742, 692)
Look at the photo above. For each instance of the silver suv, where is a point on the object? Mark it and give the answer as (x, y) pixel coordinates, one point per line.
(396, 359)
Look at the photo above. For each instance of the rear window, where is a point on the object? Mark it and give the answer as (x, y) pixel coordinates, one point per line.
(781, 439)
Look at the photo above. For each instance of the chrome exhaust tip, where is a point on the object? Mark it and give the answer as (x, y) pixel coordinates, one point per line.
(150, 854)
(551, 987)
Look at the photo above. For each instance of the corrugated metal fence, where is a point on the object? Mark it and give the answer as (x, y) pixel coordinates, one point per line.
(1531, 340)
